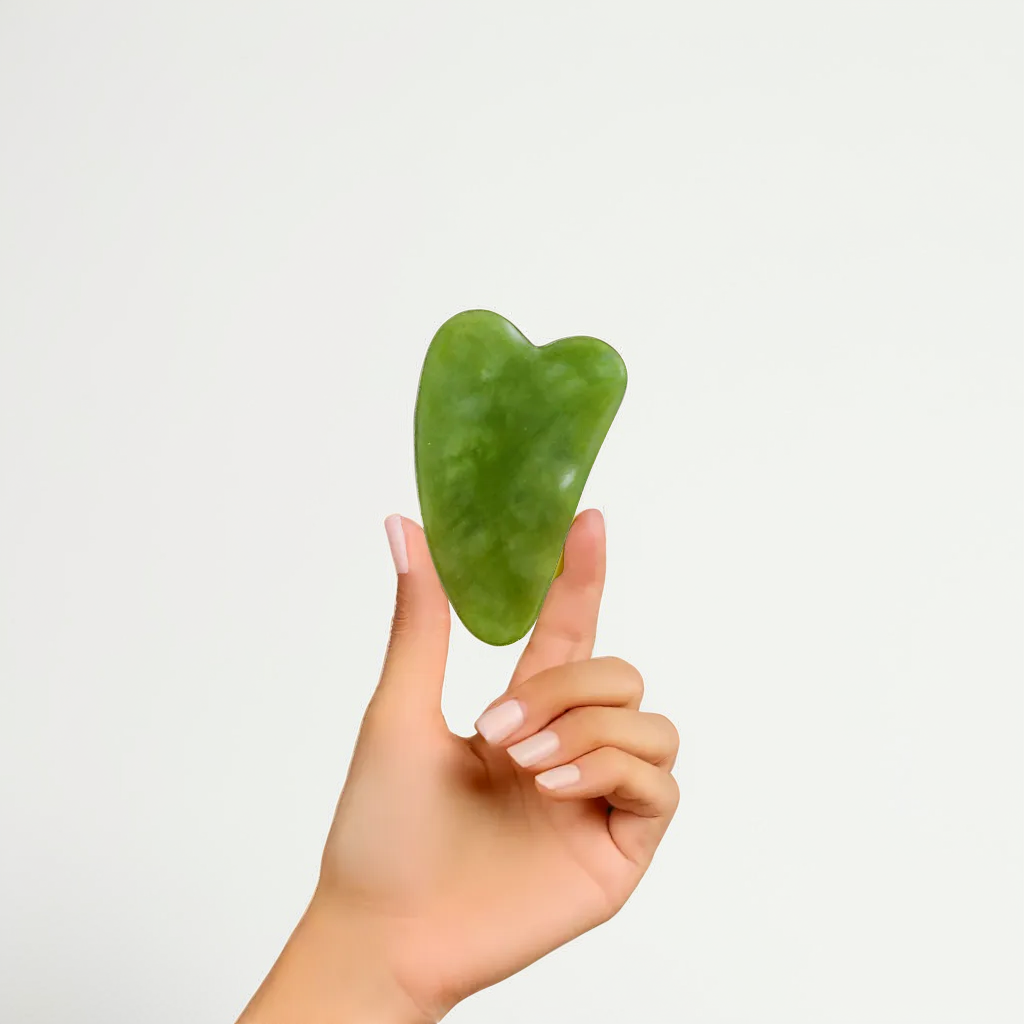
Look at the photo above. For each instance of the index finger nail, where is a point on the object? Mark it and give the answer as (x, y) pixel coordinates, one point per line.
(500, 722)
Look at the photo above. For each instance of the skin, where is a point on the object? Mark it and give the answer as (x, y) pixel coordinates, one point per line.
(450, 867)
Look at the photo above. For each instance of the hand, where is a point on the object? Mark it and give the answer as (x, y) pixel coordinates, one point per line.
(452, 863)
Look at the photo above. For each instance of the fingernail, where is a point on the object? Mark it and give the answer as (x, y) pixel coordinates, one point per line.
(560, 777)
(500, 722)
(534, 749)
(396, 538)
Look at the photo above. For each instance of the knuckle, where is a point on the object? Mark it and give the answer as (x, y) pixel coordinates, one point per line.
(577, 635)
(614, 662)
(673, 794)
(671, 732)
(400, 619)
(630, 677)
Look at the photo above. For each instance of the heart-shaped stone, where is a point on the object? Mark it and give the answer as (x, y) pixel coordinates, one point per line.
(506, 435)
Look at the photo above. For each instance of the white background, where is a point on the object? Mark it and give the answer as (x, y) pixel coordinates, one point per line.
(227, 234)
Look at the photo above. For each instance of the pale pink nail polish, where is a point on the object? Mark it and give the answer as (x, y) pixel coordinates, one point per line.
(500, 722)
(534, 748)
(396, 538)
(560, 777)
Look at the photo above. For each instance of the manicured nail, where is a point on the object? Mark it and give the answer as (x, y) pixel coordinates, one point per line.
(560, 777)
(396, 538)
(500, 722)
(534, 748)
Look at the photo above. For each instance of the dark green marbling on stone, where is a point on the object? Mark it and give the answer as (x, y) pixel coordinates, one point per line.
(506, 435)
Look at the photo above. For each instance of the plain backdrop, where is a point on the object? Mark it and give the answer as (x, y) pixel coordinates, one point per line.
(228, 232)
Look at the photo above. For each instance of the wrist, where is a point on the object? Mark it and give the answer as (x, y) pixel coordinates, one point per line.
(333, 970)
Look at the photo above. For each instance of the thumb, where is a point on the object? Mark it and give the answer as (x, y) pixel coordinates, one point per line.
(413, 672)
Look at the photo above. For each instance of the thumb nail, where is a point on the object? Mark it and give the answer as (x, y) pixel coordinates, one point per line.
(396, 538)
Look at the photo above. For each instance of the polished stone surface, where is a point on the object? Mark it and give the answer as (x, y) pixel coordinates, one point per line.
(506, 435)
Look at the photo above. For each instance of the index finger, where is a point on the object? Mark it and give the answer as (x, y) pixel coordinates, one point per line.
(567, 624)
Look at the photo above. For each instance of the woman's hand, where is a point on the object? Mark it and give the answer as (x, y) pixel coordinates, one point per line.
(452, 863)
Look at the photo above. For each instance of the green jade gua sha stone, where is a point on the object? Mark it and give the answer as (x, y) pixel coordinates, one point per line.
(506, 435)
